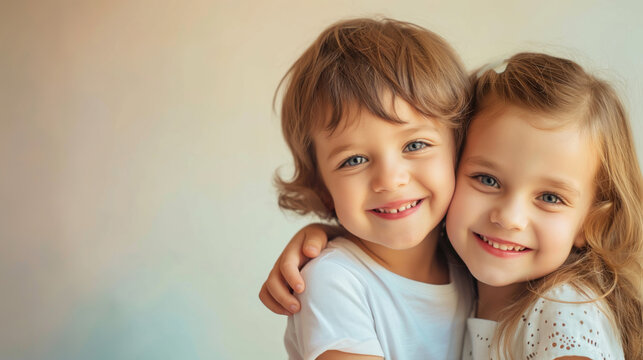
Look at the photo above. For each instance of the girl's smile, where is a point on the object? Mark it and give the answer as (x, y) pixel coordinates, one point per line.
(500, 247)
(522, 194)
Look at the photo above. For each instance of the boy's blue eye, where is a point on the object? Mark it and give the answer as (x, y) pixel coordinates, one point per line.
(551, 198)
(353, 161)
(415, 146)
(488, 180)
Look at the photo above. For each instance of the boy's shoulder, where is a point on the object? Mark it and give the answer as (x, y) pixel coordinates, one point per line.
(342, 259)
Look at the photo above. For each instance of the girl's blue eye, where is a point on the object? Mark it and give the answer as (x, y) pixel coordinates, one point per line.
(551, 198)
(488, 180)
(415, 146)
(353, 161)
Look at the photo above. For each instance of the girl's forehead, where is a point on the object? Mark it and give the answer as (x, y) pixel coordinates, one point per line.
(509, 142)
(538, 120)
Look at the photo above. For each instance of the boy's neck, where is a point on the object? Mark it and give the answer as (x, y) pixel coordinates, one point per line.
(424, 262)
(492, 300)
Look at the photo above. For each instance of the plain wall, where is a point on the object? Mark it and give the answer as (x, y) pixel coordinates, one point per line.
(138, 144)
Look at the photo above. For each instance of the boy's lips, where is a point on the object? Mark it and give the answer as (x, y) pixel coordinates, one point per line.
(397, 206)
(397, 209)
(502, 245)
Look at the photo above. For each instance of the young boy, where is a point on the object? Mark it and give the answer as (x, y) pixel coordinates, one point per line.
(372, 113)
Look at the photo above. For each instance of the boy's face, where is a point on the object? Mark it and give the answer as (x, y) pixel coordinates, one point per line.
(390, 183)
(521, 197)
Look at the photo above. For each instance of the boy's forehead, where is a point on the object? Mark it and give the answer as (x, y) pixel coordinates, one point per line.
(395, 111)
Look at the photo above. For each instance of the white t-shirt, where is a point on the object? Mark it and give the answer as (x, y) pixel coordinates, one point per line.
(551, 329)
(353, 304)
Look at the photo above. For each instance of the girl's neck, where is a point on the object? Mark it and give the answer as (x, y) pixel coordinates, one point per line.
(492, 300)
(423, 262)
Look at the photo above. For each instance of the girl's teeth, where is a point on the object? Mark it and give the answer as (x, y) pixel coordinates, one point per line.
(502, 247)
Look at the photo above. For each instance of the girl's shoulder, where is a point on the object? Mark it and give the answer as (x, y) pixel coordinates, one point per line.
(571, 293)
(569, 320)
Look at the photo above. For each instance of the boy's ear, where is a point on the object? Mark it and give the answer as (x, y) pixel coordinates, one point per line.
(325, 197)
(328, 201)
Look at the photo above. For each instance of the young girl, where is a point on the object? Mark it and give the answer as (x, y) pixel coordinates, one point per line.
(376, 149)
(547, 216)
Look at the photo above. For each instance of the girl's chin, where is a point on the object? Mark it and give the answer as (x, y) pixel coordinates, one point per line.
(494, 281)
(499, 283)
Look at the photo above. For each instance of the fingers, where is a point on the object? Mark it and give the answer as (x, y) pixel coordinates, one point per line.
(289, 269)
(275, 293)
(279, 291)
(270, 302)
(291, 260)
(315, 239)
(306, 244)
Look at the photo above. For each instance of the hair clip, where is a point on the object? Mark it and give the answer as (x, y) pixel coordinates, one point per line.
(497, 66)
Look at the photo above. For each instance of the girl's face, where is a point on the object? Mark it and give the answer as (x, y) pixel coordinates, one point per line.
(390, 183)
(521, 195)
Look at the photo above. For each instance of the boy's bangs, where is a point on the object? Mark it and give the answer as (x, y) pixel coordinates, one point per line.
(341, 99)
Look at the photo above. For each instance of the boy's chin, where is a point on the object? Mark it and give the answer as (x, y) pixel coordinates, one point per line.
(403, 242)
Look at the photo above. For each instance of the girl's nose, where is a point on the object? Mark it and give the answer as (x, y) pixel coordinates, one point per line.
(509, 214)
(389, 176)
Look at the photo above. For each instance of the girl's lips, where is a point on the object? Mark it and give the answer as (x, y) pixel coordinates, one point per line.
(397, 209)
(499, 247)
(499, 243)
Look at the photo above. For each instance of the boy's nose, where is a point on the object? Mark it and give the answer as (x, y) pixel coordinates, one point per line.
(389, 176)
(509, 214)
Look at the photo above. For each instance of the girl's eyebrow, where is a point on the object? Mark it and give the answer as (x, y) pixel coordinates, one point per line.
(562, 185)
(553, 182)
(479, 160)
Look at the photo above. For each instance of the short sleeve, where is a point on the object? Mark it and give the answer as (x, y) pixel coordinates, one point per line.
(335, 314)
(553, 329)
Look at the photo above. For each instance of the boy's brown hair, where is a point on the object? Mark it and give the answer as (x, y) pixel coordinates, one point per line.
(356, 64)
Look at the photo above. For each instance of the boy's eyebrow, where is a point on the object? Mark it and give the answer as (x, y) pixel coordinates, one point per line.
(337, 150)
(409, 130)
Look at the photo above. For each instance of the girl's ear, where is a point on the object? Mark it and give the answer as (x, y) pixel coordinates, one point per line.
(580, 242)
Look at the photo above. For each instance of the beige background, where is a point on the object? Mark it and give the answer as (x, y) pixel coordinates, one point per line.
(137, 146)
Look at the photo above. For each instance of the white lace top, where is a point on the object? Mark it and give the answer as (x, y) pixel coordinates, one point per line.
(551, 329)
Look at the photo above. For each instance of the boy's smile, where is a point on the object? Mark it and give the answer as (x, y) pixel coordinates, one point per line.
(397, 209)
(390, 183)
(521, 196)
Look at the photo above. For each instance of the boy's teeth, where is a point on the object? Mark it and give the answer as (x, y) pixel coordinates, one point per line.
(502, 247)
(400, 209)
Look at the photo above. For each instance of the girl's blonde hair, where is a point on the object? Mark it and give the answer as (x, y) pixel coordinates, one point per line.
(610, 263)
(355, 63)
